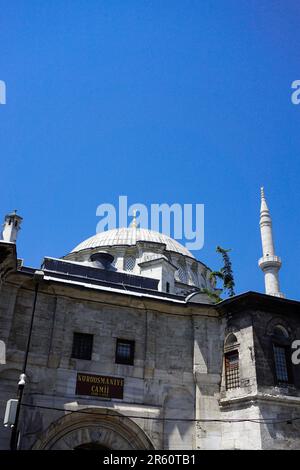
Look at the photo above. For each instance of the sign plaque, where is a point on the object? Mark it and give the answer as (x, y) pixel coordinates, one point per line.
(99, 386)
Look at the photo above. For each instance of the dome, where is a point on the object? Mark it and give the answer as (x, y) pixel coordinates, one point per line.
(130, 236)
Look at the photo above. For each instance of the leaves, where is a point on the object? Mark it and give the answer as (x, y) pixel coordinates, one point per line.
(213, 295)
(225, 273)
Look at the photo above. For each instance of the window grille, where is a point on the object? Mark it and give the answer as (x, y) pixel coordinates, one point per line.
(281, 364)
(82, 346)
(232, 372)
(282, 355)
(181, 274)
(129, 263)
(125, 352)
(194, 276)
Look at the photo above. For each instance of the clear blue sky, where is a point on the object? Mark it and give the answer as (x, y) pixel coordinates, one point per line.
(163, 101)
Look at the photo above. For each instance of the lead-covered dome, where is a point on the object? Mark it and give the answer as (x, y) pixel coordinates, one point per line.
(129, 236)
(143, 252)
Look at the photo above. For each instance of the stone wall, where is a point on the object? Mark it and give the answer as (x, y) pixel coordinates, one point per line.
(174, 394)
(161, 381)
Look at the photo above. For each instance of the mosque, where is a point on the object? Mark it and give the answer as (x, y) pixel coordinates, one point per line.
(118, 346)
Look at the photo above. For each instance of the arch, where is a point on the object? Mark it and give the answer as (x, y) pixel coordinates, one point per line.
(230, 340)
(280, 338)
(231, 362)
(100, 427)
(278, 322)
(280, 332)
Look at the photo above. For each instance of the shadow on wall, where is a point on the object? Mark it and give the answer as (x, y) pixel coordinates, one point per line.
(179, 404)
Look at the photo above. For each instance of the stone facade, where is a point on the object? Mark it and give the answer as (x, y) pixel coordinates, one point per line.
(175, 394)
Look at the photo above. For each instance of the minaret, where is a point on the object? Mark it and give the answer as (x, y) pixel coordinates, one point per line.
(11, 227)
(269, 263)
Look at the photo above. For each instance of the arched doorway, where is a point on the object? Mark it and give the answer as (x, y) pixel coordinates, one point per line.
(93, 428)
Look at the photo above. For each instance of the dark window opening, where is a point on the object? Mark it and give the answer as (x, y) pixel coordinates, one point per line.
(232, 372)
(167, 287)
(282, 364)
(125, 352)
(282, 356)
(82, 346)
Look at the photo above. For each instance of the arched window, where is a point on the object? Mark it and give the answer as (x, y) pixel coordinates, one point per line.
(194, 276)
(232, 364)
(231, 340)
(282, 355)
(280, 331)
(129, 263)
(181, 274)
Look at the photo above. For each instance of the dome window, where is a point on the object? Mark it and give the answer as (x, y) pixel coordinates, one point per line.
(181, 274)
(129, 263)
(194, 276)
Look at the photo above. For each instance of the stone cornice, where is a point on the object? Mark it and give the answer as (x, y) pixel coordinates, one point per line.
(259, 397)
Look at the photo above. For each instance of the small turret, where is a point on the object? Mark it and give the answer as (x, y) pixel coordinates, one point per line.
(11, 227)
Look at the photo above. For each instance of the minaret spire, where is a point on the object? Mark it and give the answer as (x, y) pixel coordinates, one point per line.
(269, 263)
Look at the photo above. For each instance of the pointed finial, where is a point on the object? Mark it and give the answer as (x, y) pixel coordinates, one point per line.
(133, 224)
(264, 210)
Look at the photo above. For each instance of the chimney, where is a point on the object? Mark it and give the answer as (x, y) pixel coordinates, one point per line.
(11, 227)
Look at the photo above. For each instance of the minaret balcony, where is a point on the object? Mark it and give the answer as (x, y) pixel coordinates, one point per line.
(269, 261)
